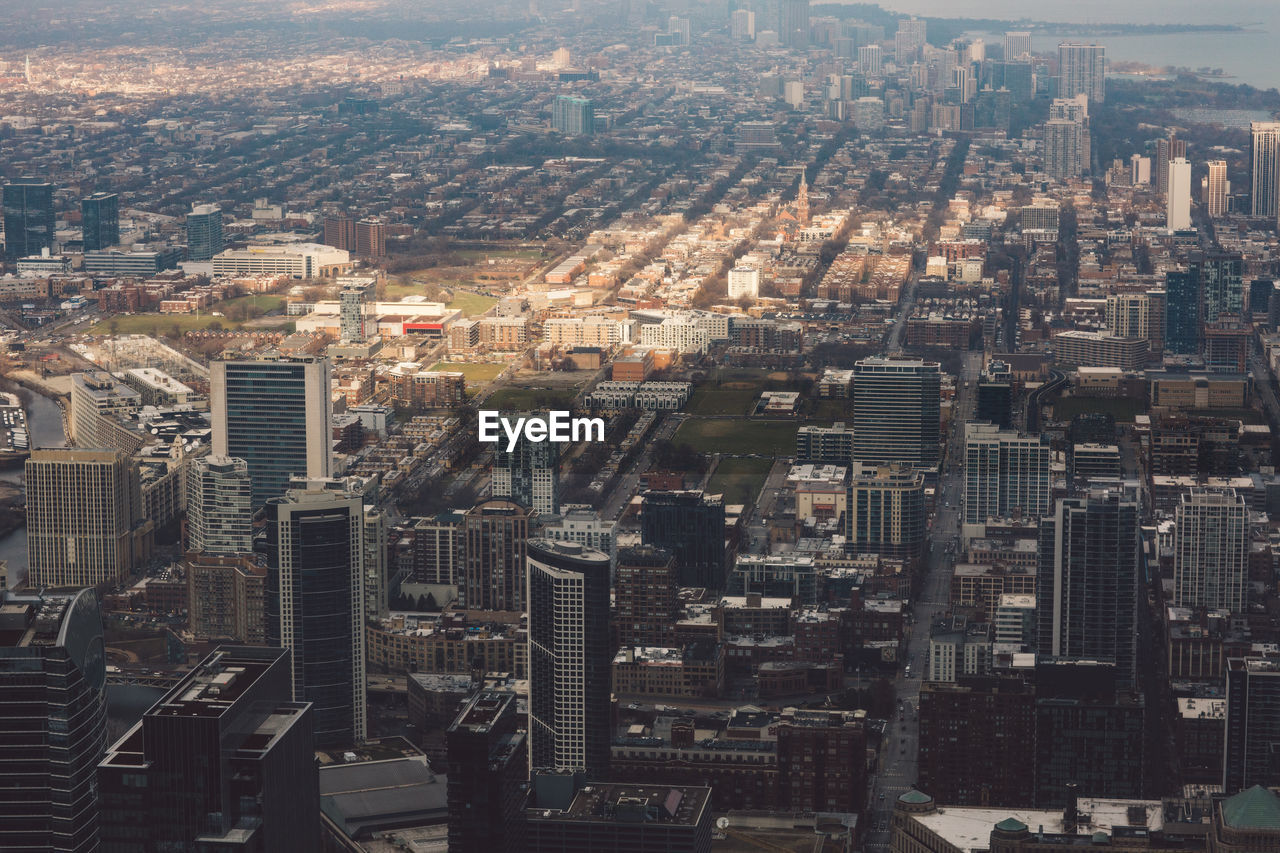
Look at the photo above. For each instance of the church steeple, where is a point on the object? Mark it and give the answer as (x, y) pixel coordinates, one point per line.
(802, 201)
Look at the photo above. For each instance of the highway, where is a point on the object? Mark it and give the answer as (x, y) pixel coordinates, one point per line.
(898, 769)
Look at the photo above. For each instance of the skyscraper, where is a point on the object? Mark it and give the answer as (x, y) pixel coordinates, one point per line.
(494, 538)
(690, 525)
(1221, 277)
(1216, 189)
(53, 720)
(793, 23)
(28, 218)
(1006, 474)
(314, 602)
(1264, 197)
(274, 413)
(647, 593)
(100, 221)
(1177, 216)
(896, 411)
(488, 771)
(219, 506)
(85, 519)
(528, 474)
(1253, 724)
(223, 761)
(1082, 69)
(742, 25)
(911, 37)
(569, 658)
(353, 318)
(886, 512)
(573, 116)
(1182, 311)
(1211, 550)
(1138, 315)
(204, 232)
(1063, 149)
(1167, 150)
(1087, 581)
(1016, 45)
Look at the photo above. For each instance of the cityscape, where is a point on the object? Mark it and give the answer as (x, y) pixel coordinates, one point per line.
(697, 426)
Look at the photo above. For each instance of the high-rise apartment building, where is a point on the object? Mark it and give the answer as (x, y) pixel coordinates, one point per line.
(223, 761)
(573, 116)
(28, 218)
(1216, 189)
(1064, 148)
(494, 538)
(689, 524)
(910, 39)
(371, 238)
(314, 603)
(528, 474)
(569, 658)
(1264, 196)
(896, 411)
(488, 773)
(1221, 286)
(1006, 474)
(1253, 724)
(1211, 550)
(53, 721)
(85, 518)
(1082, 69)
(647, 594)
(225, 597)
(886, 512)
(219, 506)
(100, 221)
(1016, 45)
(1177, 215)
(1182, 311)
(274, 413)
(742, 25)
(353, 314)
(1087, 581)
(340, 232)
(204, 232)
(1138, 315)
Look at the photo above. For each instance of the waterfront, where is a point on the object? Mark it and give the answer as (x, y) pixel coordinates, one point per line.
(1248, 56)
(44, 422)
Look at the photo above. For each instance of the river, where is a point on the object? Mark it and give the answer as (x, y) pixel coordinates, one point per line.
(44, 423)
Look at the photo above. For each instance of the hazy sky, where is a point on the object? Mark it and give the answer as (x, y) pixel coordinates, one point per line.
(1097, 11)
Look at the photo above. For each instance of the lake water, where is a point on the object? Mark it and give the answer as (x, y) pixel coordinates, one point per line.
(1250, 57)
(44, 423)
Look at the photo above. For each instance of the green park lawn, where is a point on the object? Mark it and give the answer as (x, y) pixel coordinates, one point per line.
(739, 479)
(738, 436)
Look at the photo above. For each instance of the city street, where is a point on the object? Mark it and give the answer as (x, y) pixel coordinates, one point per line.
(898, 760)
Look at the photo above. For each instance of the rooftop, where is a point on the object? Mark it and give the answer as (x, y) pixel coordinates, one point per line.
(608, 803)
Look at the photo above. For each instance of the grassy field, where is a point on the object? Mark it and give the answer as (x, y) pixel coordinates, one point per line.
(472, 372)
(162, 324)
(832, 410)
(528, 399)
(480, 255)
(739, 436)
(1122, 408)
(733, 399)
(739, 479)
(471, 304)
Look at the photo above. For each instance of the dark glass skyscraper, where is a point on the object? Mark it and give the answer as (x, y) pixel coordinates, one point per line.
(1253, 724)
(1221, 286)
(53, 721)
(897, 411)
(224, 761)
(28, 218)
(274, 413)
(569, 658)
(313, 604)
(690, 525)
(204, 232)
(1182, 311)
(487, 773)
(100, 220)
(1087, 581)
